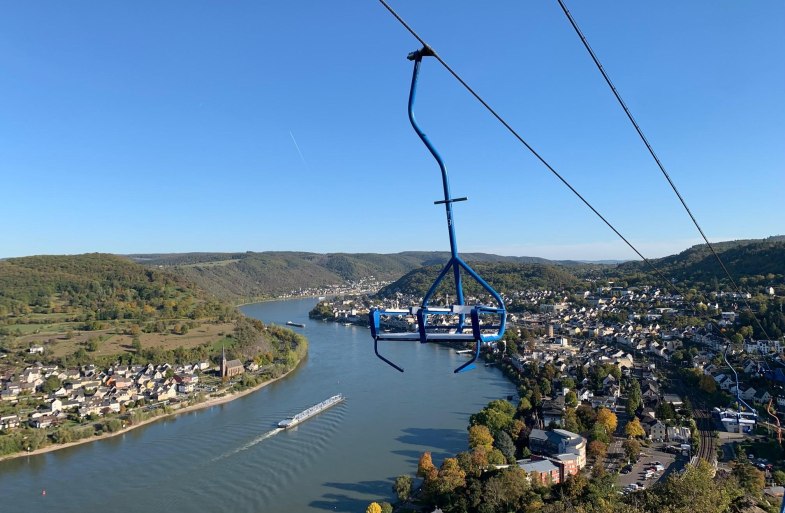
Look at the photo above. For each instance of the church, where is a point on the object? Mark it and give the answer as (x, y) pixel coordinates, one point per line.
(230, 368)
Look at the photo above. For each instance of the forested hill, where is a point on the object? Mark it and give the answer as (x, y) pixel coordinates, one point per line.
(240, 277)
(752, 263)
(502, 276)
(245, 276)
(106, 286)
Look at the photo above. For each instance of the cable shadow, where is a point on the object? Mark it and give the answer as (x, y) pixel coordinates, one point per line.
(443, 443)
(374, 490)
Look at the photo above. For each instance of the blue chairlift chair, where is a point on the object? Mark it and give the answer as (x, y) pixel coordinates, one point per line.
(444, 324)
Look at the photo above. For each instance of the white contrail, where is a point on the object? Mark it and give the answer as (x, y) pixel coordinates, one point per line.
(299, 152)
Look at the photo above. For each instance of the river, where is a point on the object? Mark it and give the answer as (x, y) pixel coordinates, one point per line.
(230, 457)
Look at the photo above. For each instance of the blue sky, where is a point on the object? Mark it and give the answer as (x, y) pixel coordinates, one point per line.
(171, 126)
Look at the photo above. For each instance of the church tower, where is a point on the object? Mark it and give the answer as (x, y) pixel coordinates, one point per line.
(223, 362)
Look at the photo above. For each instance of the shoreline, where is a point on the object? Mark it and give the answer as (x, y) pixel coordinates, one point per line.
(212, 401)
(270, 300)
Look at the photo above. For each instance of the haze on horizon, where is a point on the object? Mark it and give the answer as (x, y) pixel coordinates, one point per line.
(164, 128)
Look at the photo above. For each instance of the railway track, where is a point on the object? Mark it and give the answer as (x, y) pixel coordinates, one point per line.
(706, 451)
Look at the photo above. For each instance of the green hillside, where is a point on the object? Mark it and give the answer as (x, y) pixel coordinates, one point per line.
(246, 276)
(502, 276)
(98, 285)
(751, 263)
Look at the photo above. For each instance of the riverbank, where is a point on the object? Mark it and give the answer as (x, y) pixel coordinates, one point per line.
(279, 299)
(207, 403)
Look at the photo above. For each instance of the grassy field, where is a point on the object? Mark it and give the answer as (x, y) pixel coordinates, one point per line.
(62, 339)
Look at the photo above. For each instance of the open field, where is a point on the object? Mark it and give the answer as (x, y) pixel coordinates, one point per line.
(64, 339)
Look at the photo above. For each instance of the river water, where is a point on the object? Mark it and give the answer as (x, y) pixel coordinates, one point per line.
(230, 457)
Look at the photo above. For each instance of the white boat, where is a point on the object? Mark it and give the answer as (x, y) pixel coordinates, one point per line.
(310, 412)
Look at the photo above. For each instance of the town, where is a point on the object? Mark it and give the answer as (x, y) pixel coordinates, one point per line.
(73, 404)
(652, 362)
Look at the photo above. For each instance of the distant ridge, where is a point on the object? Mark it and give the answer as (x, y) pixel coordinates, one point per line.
(247, 276)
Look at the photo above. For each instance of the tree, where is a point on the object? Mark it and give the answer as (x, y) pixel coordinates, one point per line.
(571, 399)
(575, 485)
(387, 507)
(495, 457)
(136, 344)
(634, 397)
(571, 422)
(665, 411)
(51, 384)
(524, 405)
(498, 415)
(749, 478)
(425, 467)
(373, 508)
(597, 449)
(598, 433)
(474, 462)
(779, 477)
(707, 384)
(506, 490)
(694, 492)
(545, 386)
(632, 449)
(480, 436)
(634, 429)
(517, 429)
(450, 477)
(504, 443)
(403, 487)
(607, 419)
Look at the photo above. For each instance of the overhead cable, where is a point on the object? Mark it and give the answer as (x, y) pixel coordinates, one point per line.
(522, 141)
(657, 160)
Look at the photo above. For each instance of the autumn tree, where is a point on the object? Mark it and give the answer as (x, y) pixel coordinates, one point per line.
(634, 429)
(425, 467)
(480, 436)
(474, 462)
(597, 449)
(373, 507)
(450, 477)
(607, 419)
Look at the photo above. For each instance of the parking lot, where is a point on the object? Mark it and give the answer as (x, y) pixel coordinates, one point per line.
(651, 455)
